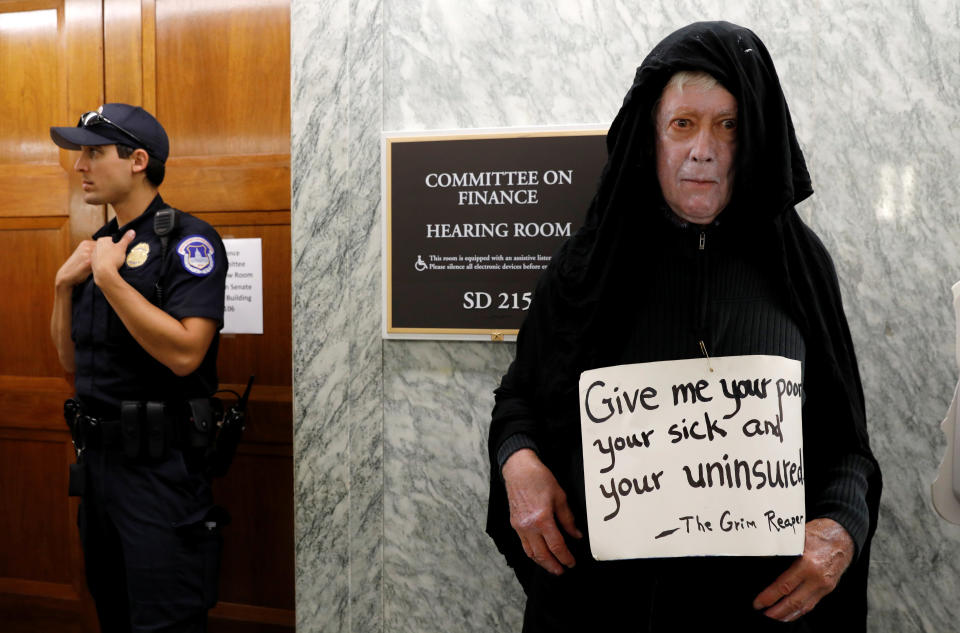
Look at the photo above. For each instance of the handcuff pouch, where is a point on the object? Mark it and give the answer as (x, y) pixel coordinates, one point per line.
(131, 414)
(156, 430)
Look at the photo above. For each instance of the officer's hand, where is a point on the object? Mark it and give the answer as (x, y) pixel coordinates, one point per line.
(827, 552)
(108, 256)
(537, 503)
(77, 266)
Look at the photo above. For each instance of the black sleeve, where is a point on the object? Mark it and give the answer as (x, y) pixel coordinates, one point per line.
(514, 410)
(514, 416)
(513, 444)
(196, 275)
(847, 488)
(844, 498)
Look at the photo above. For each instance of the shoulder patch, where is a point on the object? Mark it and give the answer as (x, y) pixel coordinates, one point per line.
(196, 254)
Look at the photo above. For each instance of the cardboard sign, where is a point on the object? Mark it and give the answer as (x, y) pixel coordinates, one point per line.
(694, 458)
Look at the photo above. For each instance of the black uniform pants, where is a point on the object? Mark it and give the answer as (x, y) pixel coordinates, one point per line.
(152, 560)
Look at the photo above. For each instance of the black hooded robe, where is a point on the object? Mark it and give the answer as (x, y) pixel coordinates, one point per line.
(607, 298)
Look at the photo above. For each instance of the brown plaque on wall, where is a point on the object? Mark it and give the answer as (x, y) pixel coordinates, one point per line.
(471, 221)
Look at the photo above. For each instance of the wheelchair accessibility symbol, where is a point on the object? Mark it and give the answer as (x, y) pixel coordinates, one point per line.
(420, 265)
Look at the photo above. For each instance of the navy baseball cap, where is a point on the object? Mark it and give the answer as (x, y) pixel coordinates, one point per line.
(114, 123)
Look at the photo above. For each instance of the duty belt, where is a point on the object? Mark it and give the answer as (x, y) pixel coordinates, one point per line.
(144, 428)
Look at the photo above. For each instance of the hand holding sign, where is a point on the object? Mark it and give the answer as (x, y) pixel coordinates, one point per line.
(827, 553)
(536, 504)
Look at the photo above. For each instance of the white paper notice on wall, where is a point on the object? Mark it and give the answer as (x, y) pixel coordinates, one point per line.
(243, 307)
(694, 458)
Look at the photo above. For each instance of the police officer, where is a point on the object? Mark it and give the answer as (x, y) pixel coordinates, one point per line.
(136, 319)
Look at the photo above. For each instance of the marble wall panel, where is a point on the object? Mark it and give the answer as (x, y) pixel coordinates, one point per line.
(338, 380)
(390, 436)
(884, 155)
(320, 465)
(441, 571)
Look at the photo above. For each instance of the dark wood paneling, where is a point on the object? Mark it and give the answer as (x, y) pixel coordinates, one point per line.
(242, 351)
(229, 183)
(30, 67)
(33, 403)
(232, 60)
(51, 65)
(26, 614)
(29, 254)
(35, 520)
(217, 76)
(216, 73)
(258, 564)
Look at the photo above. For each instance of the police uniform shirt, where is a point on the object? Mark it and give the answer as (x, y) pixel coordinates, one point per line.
(110, 365)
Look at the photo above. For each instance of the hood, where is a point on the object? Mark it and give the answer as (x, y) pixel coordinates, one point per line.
(772, 175)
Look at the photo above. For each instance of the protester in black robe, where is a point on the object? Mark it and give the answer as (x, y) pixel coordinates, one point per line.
(633, 285)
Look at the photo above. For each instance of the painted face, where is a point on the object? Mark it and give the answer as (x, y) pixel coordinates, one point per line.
(696, 145)
(106, 178)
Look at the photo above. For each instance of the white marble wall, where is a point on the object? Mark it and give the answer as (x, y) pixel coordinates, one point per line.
(390, 436)
(338, 381)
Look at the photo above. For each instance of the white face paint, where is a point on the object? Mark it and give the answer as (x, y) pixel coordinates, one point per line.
(696, 144)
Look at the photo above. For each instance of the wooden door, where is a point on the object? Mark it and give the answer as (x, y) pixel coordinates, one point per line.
(216, 74)
(50, 63)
